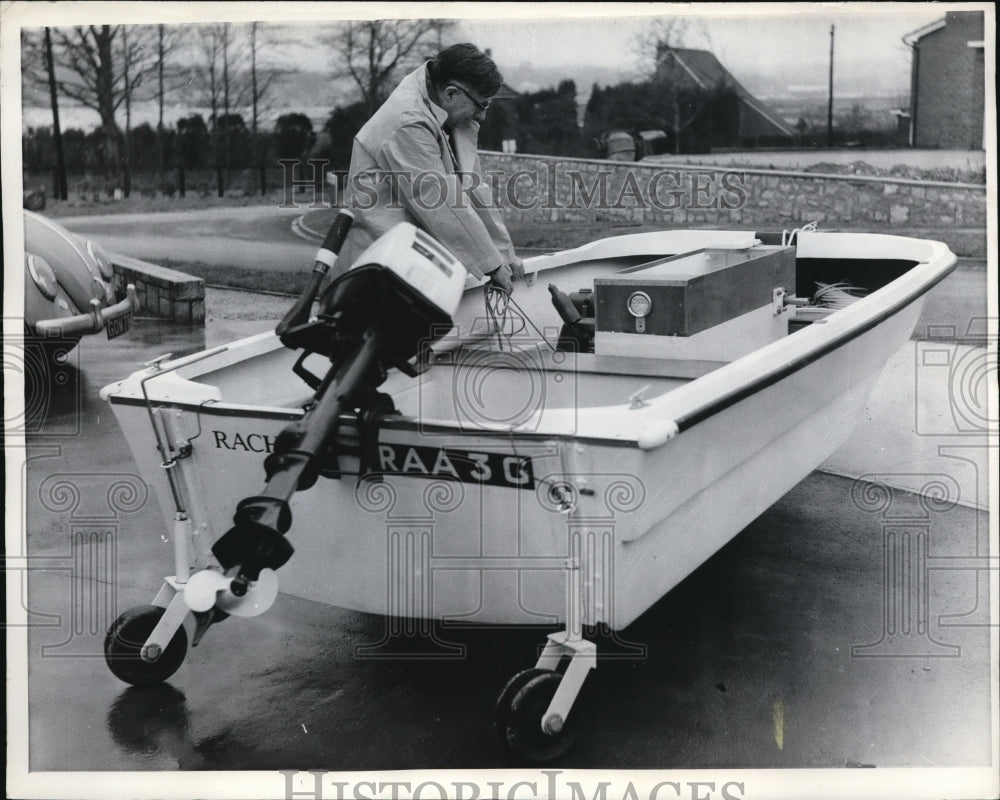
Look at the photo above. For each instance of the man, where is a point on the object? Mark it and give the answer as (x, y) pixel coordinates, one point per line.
(416, 160)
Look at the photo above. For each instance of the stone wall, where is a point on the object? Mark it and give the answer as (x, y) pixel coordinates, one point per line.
(540, 188)
(164, 293)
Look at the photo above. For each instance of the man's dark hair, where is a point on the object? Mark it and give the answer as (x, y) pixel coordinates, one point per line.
(468, 65)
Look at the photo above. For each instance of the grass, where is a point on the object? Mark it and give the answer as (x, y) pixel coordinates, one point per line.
(239, 277)
(140, 204)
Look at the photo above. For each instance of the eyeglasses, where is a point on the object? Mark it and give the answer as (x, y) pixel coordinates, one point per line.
(482, 105)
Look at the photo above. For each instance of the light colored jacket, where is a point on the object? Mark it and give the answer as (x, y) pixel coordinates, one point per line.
(441, 191)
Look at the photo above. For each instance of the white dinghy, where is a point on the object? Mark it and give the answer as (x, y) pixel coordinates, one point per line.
(432, 457)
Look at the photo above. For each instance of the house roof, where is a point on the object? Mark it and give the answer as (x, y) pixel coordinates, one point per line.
(707, 72)
(505, 92)
(919, 33)
(959, 18)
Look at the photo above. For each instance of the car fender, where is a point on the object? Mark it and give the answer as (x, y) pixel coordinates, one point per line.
(75, 269)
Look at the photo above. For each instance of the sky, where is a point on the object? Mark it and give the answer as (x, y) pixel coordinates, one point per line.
(783, 45)
(770, 48)
(784, 40)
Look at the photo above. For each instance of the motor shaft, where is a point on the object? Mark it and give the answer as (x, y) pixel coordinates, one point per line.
(257, 540)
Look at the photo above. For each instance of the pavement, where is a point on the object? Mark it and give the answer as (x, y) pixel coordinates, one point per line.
(253, 237)
(803, 644)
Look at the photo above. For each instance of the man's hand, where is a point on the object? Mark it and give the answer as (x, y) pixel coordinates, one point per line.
(517, 269)
(501, 278)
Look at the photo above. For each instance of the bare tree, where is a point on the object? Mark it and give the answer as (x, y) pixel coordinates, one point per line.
(221, 76)
(61, 188)
(208, 75)
(100, 67)
(85, 56)
(261, 81)
(138, 59)
(38, 70)
(168, 40)
(372, 53)
(255, 96)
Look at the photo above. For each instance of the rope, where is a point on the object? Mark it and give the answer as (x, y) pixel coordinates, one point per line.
(837, 295)
(787, 240)
(503, 321)
(533, 325)
(498, 314)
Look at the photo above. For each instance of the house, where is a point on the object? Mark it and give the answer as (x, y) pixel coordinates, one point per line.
(701, 70)
(501, 130)
(947, 82)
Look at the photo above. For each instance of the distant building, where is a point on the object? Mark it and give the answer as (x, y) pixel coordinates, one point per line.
(500, 130)
(700, 69)
(947, 89)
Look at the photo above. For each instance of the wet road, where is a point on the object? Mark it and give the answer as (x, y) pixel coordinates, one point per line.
(780, 651)
(254, 237)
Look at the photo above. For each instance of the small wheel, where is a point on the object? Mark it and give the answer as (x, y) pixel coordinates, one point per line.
(125, 639)
(506, 697)
(523, 732)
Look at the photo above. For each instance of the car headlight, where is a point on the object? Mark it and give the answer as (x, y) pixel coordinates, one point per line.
(41, 273)
(99, 255)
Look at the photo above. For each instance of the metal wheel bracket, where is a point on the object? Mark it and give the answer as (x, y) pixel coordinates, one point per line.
(171, 599)
(582, 658)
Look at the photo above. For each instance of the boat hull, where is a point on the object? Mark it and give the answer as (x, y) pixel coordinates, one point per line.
(491, 523)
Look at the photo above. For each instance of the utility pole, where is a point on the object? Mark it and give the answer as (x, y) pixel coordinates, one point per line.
(829, 105)
(255, 96)
(160, 131)
(60, 177)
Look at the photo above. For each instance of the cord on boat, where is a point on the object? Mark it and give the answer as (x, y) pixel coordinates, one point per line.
(502, 320)
(541, 335)
(788, 239)
(836, 295)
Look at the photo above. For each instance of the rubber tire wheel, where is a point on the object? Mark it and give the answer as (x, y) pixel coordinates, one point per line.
(124, 642)
(514, 685)
(523, 729)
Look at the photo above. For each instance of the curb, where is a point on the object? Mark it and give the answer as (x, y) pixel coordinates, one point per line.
(163, 292)
(302, 229)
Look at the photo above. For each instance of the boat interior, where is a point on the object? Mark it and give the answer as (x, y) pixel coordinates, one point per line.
(700, 310)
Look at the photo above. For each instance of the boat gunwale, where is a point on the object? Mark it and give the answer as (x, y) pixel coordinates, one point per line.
(829, 344)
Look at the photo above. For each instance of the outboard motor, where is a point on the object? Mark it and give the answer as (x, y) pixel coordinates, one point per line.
(393, 303)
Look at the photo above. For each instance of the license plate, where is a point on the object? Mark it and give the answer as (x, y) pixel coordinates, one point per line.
(116, 327)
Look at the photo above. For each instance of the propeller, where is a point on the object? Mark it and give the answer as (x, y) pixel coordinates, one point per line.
(207, 589)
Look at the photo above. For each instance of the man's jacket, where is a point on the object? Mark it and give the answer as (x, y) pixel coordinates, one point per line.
(403, 168)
